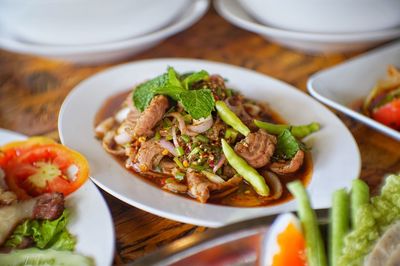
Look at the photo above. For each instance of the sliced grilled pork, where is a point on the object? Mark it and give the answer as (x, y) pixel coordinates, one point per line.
(257, 148)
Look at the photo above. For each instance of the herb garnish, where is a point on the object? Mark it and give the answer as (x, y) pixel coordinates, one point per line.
(198, 103)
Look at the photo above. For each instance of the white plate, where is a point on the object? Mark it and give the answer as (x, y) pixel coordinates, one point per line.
(335, 154)
(90, 218)
(342, 85)
(106, 52)
(232, 11)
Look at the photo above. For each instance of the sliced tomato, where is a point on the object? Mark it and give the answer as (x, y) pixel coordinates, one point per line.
(388, 114)
(37, 166)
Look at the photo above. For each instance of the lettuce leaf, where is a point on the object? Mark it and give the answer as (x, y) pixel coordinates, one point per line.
(375, 217)
(45, 234)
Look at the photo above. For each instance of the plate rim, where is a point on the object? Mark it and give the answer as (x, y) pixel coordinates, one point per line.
(182, 217)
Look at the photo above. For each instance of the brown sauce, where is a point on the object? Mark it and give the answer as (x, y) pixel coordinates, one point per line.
(245, 195)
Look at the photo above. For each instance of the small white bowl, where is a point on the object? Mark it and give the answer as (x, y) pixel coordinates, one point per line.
(308, 42)
(326, 16)
(82, 22)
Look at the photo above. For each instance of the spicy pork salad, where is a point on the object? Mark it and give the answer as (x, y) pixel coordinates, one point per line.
(35, 177)
(193, 135)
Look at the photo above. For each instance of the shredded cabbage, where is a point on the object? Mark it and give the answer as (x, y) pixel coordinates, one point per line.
(375, 217)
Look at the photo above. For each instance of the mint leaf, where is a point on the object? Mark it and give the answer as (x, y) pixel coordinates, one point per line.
(145, 92)
(198, 103)
(173, 79)
(194, 77)
(287, 145)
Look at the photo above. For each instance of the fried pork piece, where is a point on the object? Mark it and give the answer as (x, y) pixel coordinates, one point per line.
(288, 167)
(47, 206)
(149, 155)
(151, 116)
(200, 186)
(257, 148)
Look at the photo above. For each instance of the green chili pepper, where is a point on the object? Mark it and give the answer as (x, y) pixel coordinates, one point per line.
(231, 118)
(300, 131)
(244, 169)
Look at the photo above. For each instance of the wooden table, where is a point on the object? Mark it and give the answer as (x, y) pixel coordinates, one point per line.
(33, 89)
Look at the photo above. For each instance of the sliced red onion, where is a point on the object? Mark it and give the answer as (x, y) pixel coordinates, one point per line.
(122, 138)
(274, 184)
(122, 114)
(213, 177)
(219, 164)
(181, 123)
(174, 138)
(168, 145)
(253, 109)
(201, 125)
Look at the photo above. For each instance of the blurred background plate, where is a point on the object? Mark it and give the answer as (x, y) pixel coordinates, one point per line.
(232, 11)
(106, 52)
(345, 84)
(83, 22)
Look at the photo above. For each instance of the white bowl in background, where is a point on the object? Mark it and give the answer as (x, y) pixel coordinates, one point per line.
(106, 52)
(343, 85)
(232, 11)
(326, 16)
(78, 22)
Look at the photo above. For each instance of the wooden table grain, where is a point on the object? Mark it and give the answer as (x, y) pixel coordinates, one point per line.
(33, 89)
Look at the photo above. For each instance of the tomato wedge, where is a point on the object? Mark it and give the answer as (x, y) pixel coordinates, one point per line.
(40, 165)
(389, 114)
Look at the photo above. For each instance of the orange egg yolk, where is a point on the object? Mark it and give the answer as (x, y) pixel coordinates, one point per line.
(291, 248)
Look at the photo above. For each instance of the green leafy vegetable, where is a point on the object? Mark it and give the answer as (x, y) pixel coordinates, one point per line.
(194, 77)
(146, 91)
(45, 233)
(374, 218)
(287, 145)
(198, 103)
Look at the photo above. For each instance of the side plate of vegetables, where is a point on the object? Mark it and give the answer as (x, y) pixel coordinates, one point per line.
(46, 206)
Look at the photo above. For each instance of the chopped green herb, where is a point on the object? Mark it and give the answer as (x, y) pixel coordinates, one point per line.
(178, 162)
(179, 176)
(179, 151)
(202, 138)
(185, 138)
(194, 77)
(157, 136)
(231, 135)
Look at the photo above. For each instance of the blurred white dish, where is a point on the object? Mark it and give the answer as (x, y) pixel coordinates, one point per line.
(90, 220)
(327, 16)
(232, 11)
(107, 52)
(83, 22)
(336, 159)
(342, 85)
